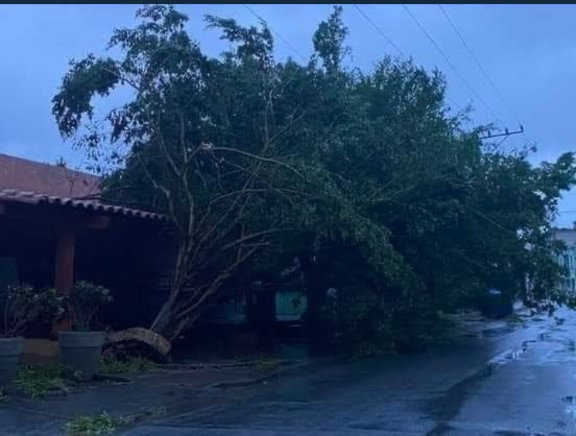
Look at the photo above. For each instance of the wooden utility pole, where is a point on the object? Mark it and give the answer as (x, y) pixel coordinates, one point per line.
(506, 133)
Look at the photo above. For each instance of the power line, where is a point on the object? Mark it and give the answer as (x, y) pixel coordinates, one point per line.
(502, 141)
(395, 46)
(450, 64)
(452, 102)
(276, 33)
(478, 64)
(505, 134)
(380, 31)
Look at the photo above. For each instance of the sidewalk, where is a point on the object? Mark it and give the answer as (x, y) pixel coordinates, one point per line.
(170, 390)
(176, 390)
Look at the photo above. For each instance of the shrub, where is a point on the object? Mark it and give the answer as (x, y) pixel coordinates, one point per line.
(84, 302)
(25, 304)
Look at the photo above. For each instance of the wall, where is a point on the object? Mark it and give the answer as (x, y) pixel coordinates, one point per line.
(568, 257)
(120, 257)
(568, 260)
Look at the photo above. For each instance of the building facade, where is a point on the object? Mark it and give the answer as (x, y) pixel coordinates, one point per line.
(568, 257)
(54, 231)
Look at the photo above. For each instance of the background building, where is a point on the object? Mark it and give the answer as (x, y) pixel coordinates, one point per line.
(568, 257)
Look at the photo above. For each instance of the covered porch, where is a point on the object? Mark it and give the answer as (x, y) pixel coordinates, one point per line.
(50, 241)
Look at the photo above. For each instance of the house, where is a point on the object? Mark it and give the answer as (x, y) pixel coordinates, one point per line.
(568, 257)
(54, 231)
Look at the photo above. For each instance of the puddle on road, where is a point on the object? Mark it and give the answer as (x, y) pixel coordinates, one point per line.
(455, 396)
(570, 410)
(515, 433)
(440, 430)
(507, 356)
(561, 351)
(497, 331)
(443, 409)
(383, 425)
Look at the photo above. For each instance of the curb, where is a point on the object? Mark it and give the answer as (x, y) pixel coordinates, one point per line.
(289, 371)
(216, 365)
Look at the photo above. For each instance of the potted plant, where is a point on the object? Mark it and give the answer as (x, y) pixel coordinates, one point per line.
(23, 305)
(81, 347)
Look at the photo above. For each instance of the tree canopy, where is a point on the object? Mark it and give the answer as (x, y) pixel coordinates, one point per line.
(393, 200)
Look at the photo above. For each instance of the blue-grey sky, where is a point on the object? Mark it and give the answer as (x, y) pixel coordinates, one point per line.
(529, 51)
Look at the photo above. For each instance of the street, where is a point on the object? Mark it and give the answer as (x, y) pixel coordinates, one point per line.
(507, 381)
(292, 219)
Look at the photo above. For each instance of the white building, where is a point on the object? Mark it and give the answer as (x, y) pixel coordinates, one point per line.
(568, 257)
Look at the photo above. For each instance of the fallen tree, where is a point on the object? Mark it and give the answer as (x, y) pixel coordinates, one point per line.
(136, 341)
(369, 175)
(225, 193)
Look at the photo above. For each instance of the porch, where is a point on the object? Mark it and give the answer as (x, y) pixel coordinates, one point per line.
(48, 241)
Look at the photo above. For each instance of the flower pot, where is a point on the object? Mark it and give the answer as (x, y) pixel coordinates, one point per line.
(81, 351)
(10, 352)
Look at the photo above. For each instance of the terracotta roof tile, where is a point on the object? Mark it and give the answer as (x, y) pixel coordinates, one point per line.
(33, 198)
(26, 175)
(29, 182)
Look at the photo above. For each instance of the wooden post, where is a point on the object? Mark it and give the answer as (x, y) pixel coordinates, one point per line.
(64, 271)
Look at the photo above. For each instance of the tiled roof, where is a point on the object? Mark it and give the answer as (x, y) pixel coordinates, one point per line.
(30, 182)
(33, 198)
(27, 175)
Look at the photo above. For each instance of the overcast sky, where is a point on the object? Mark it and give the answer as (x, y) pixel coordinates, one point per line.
(529, 52)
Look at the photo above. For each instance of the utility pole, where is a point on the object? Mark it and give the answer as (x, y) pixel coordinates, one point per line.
(506, 133)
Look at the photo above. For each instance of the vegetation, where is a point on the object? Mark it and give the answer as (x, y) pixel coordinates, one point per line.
(83, 304)
(102, 424)
(93, 425)
(25, 304)
(366, 177)
(128, 365)
(41, 381)
(268, 363)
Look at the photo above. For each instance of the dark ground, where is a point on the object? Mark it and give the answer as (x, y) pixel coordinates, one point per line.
(507, 381)
(497, 379)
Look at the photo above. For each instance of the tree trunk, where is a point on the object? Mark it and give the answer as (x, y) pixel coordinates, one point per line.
(163, 319)
(137, 341)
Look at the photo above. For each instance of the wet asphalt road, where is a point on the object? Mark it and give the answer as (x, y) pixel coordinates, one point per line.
(506, 382)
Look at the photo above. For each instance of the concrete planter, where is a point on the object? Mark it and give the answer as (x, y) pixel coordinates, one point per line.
(81, 351)
(10, 352)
